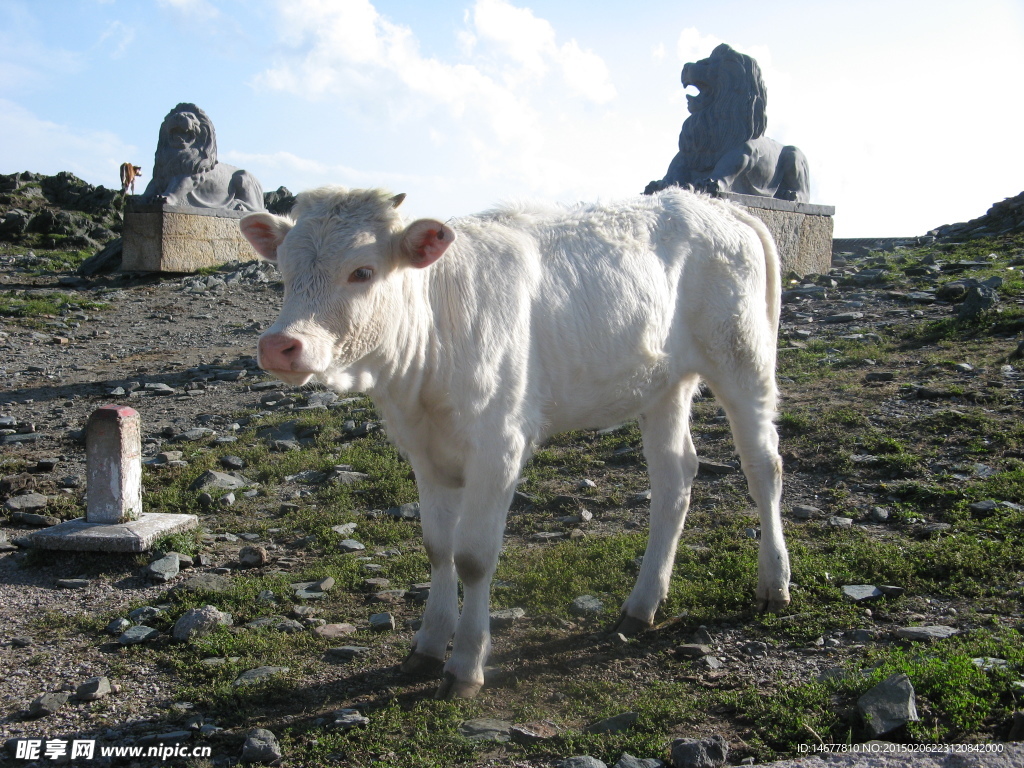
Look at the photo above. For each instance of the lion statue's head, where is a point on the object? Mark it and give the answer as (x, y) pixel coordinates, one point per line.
(729, 109)
(187, 143)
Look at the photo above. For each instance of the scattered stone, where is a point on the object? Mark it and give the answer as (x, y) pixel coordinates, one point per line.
(334, 631)
(232, 462)
(382, 622)
(486, 729)
(694, 650)
(118, 626)
(28, 503)
(878, 515)
(888, 705)
(258, 675)
(279, 623)
(73, 583)
(805, 512)
(144, 614)
(628, 761)
(983, 508)
(35, 520)
(581, 761)
(163, 569)
(879, 375)
(840, 522)
(532, 733)
(345, 529)
(253, 557)
(138, 634)
(93, 689)
(712, 663)
(989, 663)
(586, 605)
(409, 511)
(347, 719)
(261, 747)
(196, 623)
(204, 582)
(706, 467)
(347, 652)
(978, 300)
(228, 481)
(312, 590)
(862, 593)
(934, 632)
(711, 752)
(615, 724)
(506, 617)
(48, 703)
(755, 648)
(351, 545)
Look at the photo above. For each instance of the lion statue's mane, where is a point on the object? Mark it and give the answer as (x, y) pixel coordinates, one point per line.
(722, 146)
(186, 171)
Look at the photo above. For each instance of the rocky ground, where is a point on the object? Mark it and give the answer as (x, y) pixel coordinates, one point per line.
(180, 351)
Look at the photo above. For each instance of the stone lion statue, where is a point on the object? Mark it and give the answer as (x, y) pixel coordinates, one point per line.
(186, 171)
(722, 146)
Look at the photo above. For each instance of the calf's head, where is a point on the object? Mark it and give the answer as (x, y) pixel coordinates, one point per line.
(347, 260)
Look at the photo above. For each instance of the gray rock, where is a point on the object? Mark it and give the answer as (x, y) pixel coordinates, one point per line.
(409, 511)
(935, 632)
(73, 583)
(228, 481)
(978, 300)
(48, 703)
(486, 729)
(93, 689)
(312, 590)
(29, 502)
(194, 435)
(628, 761)
(261, 747)
(199, 622)
(755, 648)
(204, 582)
(118, 626)
(581, 761)
(840, 522)
(888, 705)
(253, 557)
(144, 614)
(345, 529)
(707, 467)
(279, 623)
(506, 617)
(382, 622)
(232, 462)
(694, 650)
(258, 674)
(162, 570)
(586, 605)
(347, 719)
(615, 724)
(862, 593)
(138, 634)
(805, 512)
(33, 519)
(351, 545)
(711, 752)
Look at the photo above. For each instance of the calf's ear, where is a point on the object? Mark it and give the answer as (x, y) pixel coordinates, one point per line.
(266, 232)
(424, 241)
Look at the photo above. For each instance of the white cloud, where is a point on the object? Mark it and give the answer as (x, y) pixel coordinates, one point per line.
(37, 145)
(121, 37)
(196, 9)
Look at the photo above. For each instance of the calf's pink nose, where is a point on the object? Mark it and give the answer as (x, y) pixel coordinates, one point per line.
(278, 351)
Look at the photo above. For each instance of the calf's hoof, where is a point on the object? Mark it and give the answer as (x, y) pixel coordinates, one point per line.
(422, 665)
(630, 626)
(453, 688)
(773, 601)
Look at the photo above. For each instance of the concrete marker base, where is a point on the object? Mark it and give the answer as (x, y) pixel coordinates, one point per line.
(134, 536)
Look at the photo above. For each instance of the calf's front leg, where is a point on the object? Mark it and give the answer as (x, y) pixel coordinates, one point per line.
(490, 483)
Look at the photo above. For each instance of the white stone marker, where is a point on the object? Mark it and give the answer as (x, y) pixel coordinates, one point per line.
(113, 463)
(114, 520)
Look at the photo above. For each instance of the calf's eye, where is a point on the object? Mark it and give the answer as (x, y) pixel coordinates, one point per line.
(361, 275)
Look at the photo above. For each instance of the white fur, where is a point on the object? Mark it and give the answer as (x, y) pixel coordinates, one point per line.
(535, 321)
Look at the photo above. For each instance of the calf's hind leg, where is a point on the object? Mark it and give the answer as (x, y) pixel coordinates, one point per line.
(750, 406)
(672, 465)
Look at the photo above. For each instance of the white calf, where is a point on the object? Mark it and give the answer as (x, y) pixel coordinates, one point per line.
(536, 321)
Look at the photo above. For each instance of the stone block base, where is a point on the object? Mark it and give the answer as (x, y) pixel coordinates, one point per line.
(180, 239)
(802, 232)
(136, 536)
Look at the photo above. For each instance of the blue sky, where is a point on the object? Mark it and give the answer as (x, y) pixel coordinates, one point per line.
(909, 112)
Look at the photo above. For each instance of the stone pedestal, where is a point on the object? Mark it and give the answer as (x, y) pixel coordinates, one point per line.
(114, 521)
(164, 238)
(802, 231)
